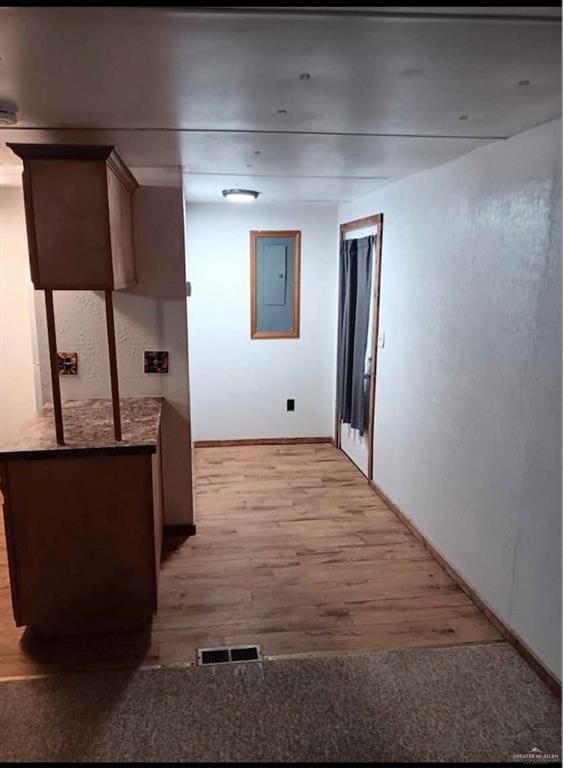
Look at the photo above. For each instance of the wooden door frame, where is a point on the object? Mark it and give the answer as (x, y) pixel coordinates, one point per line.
(349, 226)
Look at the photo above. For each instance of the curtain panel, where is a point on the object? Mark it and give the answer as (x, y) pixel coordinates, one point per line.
(356, 264)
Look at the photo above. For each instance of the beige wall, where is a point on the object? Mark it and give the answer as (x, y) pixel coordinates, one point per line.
(150, 316)
(17, 388)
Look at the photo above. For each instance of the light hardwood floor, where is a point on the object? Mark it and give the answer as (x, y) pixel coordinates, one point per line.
(293, 551)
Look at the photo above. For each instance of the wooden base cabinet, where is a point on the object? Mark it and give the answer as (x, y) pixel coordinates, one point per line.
(84, 535)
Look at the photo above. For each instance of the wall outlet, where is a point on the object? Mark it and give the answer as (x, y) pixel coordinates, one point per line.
(156, 362)
(67, 363)
(291, 404)
(381, 340)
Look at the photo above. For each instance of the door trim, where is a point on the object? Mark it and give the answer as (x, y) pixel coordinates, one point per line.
(350, 226)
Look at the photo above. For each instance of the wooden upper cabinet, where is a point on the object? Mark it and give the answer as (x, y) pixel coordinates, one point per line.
(78, 205)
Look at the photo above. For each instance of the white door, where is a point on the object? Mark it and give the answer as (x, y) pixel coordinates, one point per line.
(354, 445)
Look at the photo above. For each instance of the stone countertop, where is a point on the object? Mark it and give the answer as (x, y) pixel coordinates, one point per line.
(88, 428)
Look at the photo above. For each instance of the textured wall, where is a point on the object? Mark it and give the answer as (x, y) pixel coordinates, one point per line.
(468, 415)
(150, 316)
(239, 386)
(17, 388)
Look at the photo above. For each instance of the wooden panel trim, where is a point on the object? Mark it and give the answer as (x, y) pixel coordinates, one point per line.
(30, 227)
(262, 441)
(116, 164)
(374, 340)
(61, 151)
(367, 221)
(11, 548)
(180, 529)
(151, 557)
(294, 332)
(91, 152)
(53, 361)
(275, 335)
(113, 366)
(499, 624)
(69, 452)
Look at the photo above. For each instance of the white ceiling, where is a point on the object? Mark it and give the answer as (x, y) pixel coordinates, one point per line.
(179, 88)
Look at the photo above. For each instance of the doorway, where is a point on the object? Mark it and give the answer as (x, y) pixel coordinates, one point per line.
(355, 441)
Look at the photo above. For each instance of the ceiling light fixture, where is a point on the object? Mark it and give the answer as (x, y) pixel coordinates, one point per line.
(240, 195)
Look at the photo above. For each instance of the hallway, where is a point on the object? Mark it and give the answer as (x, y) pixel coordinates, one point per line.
(293, 551)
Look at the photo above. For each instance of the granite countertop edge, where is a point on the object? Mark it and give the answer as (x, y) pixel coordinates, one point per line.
(40, 444)
(67, 451)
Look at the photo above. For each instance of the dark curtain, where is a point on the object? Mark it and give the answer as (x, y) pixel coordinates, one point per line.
(353, 322)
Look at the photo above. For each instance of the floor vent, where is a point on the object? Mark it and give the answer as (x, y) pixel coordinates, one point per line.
(229, 654)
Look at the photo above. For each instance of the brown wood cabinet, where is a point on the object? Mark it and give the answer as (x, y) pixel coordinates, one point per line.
(79, 220)
(84, 522)
(79, 216)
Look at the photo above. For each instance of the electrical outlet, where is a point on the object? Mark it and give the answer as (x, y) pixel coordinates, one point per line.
(291, 404)
(67, 363)
(156, 362)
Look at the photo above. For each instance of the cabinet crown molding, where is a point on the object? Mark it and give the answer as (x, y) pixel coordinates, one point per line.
(93, 152)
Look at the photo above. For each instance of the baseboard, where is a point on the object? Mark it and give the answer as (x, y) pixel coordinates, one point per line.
(180, 529)
(503, 629)
(261, 441)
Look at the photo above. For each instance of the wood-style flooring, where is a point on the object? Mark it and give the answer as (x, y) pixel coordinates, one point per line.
(293, 551)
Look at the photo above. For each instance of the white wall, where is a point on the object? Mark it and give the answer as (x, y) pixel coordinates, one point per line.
(468, 413)
(239, 386)
(149, 316)
(17, 387)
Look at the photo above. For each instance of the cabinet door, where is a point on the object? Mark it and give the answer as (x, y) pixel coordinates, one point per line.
(66, 214)
(78, 212)
(80, 537)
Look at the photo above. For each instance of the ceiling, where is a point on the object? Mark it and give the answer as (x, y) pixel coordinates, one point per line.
(391, 92)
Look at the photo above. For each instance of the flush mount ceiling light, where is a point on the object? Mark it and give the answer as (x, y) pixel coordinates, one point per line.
(240, 195)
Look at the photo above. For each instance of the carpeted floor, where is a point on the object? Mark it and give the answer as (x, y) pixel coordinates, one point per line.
(475, 703)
